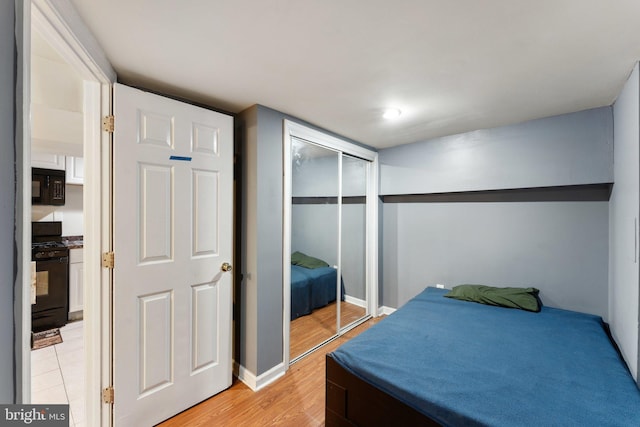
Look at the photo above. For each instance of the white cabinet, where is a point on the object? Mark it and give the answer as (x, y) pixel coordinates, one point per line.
(47, 160)
(75, 170)
(76, 282)
(73, 166)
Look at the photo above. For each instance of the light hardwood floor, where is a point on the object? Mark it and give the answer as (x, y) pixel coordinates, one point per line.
(308, 331)
(297, 399)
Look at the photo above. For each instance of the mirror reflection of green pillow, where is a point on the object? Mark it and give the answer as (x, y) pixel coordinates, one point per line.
(521, 298)
(306, 261)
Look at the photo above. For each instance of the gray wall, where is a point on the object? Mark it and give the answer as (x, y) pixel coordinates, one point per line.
(246, 321)
(269, 234)
(562, 150)
(261, 265)
(353, 265)
(624, 207)
(314, 231)
(559, 247)
(7, 201)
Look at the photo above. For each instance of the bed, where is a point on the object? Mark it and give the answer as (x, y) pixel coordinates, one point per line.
(441, 361)
(312, 288)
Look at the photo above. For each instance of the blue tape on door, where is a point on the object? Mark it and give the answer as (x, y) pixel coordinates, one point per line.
(182, 158)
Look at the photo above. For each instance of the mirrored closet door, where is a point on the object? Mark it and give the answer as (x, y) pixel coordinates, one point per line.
(314, 245)
(327, 285)
(353, 243)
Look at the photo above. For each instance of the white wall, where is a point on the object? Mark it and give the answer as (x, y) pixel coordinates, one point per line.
(623, 225)
(57, 100)
(70, 213)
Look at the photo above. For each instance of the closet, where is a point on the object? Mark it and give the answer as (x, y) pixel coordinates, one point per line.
(331, 224)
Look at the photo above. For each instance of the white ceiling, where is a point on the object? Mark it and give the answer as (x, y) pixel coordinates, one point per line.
(451, 66)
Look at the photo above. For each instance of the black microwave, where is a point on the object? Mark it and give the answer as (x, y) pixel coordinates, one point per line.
(47, 186)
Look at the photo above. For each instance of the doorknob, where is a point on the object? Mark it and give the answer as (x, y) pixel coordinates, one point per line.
(226, 267)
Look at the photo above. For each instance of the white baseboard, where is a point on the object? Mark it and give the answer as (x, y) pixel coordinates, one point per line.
(355, 301)
(385, 310)
(261, 381)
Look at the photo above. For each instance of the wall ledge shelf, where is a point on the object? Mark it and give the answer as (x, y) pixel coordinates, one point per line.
(600, 192)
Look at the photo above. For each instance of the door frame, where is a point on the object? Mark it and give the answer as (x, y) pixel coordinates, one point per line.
(64, 29)
(291, 130)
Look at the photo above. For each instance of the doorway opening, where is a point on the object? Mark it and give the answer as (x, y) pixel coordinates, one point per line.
(64, 93)
(57, 144)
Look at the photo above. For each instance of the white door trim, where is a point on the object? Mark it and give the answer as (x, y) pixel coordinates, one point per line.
(22, 302)
(324, 139)
(62, 26)
(292, 129)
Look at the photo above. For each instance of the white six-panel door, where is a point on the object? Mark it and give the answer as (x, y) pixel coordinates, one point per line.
(173, 223)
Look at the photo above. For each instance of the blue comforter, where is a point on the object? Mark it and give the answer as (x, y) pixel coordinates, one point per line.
(312, 288)
(468, 364)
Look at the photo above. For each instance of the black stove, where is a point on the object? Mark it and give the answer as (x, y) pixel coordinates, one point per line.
(52, 276)
(47, 245)
(48, 250)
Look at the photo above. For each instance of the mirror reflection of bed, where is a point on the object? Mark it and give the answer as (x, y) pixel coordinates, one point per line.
(328, 244)
(314, 290)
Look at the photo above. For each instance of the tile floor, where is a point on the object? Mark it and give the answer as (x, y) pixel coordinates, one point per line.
(57, 373)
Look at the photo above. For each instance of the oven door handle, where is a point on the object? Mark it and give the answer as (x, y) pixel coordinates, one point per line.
(48, 261)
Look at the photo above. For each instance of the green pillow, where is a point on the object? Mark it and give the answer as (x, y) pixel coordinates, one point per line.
(522, 298)
(306, 261)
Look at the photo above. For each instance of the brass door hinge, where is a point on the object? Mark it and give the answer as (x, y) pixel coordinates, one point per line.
(108, 124)
(108, 395)
(108, 260)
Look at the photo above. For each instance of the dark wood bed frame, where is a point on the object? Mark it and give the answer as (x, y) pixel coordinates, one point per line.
(351, 401)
